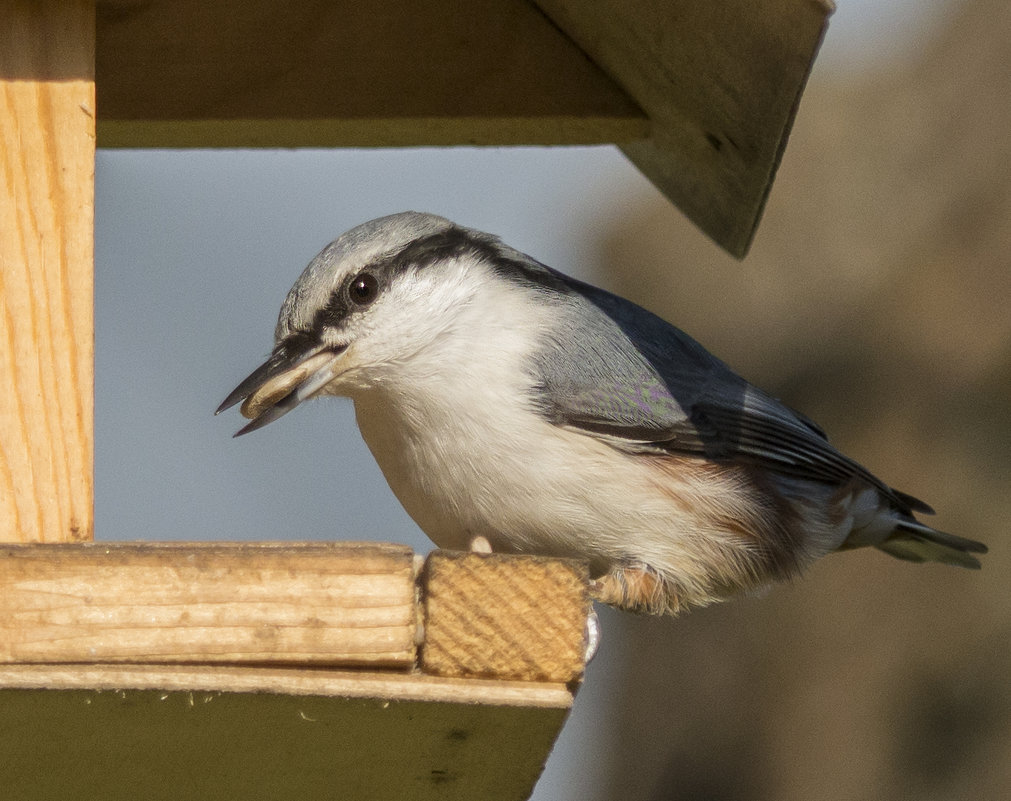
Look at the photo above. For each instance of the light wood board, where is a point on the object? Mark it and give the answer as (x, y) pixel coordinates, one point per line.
(296, 603)
(47, 156)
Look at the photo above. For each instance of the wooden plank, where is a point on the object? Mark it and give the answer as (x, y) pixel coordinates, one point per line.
(177, 734)
(281, 680)
(720, 82)
(47, 153)
(314, 73)
(309, 603)
(514, 617)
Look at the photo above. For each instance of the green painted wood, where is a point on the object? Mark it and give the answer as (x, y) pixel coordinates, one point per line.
(157, 745)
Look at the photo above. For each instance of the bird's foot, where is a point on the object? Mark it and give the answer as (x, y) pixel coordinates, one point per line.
(592, 635)
(635, 588)
(479, 544)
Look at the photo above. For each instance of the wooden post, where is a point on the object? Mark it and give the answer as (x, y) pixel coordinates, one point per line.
(47, 154)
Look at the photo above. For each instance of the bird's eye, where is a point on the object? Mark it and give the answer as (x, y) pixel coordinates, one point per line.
(363, 289)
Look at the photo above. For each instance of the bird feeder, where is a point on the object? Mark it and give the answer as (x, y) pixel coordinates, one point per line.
(262, 670)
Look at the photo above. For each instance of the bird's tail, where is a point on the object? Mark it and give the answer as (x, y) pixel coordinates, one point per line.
(916, 542)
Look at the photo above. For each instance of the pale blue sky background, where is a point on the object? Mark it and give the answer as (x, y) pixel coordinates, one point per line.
(196, 250)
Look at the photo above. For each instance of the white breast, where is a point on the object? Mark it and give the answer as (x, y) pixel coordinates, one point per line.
(453, 430)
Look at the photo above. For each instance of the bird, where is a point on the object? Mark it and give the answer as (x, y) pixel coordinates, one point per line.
(515, 409)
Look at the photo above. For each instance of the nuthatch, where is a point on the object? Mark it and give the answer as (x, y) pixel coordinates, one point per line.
(510, 405)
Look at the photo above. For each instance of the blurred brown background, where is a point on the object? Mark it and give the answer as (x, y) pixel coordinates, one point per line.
(877, 299)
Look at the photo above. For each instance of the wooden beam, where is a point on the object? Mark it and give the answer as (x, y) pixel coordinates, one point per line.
(303, 603)
(316, 603)
(317, 73)
(47, 155)
(512, 617)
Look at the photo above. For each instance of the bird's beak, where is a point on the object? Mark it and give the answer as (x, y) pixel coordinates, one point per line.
(281, 383)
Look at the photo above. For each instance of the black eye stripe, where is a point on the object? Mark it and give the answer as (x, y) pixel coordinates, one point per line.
(295, 343)
(357, 293)
(354, 293)
(333, 314)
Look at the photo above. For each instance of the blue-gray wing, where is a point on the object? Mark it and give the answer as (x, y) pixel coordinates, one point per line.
(614, 370)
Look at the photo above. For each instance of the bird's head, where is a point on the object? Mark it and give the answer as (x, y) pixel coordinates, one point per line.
(368, 303)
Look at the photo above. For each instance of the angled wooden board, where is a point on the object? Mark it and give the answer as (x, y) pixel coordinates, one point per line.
(720, 81)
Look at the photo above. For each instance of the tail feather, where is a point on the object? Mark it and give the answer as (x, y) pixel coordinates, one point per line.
(914, 504)
(915, 542)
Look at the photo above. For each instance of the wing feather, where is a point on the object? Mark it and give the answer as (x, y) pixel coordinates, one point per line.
(616, 371)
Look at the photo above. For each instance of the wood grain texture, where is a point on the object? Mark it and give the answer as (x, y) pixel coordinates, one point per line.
(120, 733)
(383, 685)
(313, 603)
(317, 73)
(720, 81)
(47, 149)
(512, 617)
